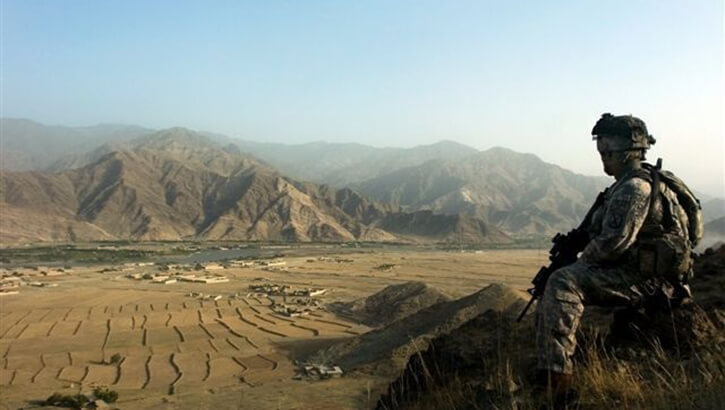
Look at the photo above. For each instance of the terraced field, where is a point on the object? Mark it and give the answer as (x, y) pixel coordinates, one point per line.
(166, 347)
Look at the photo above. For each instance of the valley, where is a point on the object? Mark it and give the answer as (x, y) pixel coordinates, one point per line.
(219, 345)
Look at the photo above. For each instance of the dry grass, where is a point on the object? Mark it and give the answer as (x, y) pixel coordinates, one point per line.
(606, 379)
(655, 380)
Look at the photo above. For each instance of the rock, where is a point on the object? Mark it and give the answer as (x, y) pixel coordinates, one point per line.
(680, 329)
(468, 355)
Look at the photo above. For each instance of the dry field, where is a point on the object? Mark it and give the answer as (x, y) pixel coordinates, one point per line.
(181, 352)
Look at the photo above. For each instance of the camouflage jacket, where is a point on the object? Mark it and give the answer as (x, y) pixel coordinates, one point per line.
(624, 214)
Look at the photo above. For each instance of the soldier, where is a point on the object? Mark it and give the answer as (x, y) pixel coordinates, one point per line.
(615, 264)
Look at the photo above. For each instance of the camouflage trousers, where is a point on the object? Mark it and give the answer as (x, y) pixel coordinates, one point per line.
(560, 309)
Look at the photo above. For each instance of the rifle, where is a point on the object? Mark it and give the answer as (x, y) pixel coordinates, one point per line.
(564, 252)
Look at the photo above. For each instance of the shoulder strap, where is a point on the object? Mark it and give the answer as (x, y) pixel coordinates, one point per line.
(655, 195)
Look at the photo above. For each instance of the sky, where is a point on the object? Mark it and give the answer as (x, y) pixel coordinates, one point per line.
(531, 76)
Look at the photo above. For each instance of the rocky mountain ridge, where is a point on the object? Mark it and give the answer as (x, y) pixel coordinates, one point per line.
(390, 304)
(518, 193)
(345, 164)
(385, 349)
(177, 184)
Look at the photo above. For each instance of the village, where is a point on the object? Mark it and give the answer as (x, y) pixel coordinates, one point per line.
(205, 273)
(288, 301)
(161, 273)
(285, 300)
(12, 280)
(316, 371)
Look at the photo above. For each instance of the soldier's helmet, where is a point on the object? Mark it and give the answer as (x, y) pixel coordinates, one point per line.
(630, 132)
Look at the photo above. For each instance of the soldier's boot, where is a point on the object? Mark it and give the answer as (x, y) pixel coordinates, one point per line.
(555, 390)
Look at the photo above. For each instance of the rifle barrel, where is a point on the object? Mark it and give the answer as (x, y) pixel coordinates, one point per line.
(526, 309)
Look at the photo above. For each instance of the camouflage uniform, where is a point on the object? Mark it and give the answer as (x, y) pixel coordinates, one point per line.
(613, 269)
(606, 273)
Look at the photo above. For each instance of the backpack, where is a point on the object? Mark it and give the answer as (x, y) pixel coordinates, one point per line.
(685, 198)
(662, 251)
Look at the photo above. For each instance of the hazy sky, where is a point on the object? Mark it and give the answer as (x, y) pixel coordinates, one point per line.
(531, 76)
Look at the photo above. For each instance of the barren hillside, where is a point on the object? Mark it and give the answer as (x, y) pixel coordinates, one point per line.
(518, 193)
(392, 303)
(178, 184)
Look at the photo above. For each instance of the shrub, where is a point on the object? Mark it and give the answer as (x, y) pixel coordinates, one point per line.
(115, 359)
(75, 401)
(103, 393)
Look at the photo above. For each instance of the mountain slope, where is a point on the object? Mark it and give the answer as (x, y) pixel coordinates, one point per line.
(516, 192)
(386, 348)
(458, 228)
(393, 303)
(713, 209)
(177, 184)
(344, 164)
(28, 145)
(714, 234)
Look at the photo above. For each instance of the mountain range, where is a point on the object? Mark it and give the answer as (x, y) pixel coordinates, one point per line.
(178, 184)
(341, 164)
(186, 184)
(517, 192)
